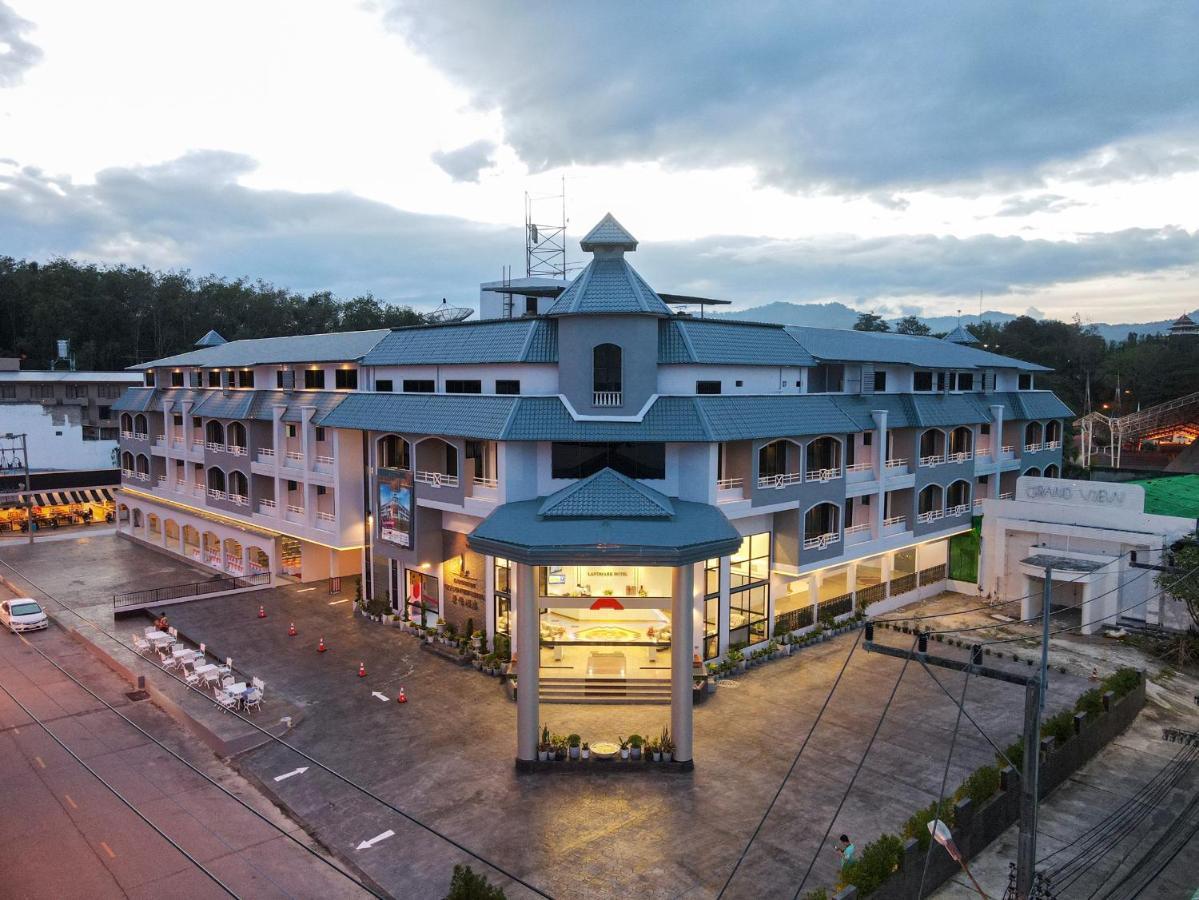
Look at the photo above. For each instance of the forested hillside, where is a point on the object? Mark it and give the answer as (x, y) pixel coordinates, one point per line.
(117, 316)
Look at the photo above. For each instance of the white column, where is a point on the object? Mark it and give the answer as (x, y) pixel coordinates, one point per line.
(880, 469)
(723, 621)
(528, 662)
(682, 623)
(996, 447)
(488, 623)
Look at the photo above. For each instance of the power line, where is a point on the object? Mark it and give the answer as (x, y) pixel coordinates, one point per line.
(861, 762)
(316, 762)
(944, 778)
(794, 763)
(969, 717)
(195, 862)
(206, 777)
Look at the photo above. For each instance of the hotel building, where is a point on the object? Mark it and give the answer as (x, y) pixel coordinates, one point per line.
(624, 487)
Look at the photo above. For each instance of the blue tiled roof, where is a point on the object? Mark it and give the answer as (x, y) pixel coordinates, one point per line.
(608, 285)
(331, 347)
(486, 341)
(727, 342)
(218, 405)
(212, 339)
(733, 418)
(479, 416)
(961, 335)
(135, 399)
(606, 495)
(846, 345)
(547, 419)
(608, 233)
(1025, 405)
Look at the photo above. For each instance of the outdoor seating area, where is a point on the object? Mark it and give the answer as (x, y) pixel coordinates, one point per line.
(194, 665)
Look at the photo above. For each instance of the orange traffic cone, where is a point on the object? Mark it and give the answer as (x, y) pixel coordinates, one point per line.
(291, 630)
(321, 648)
(261, 611)
(361, 670)
(401, 698)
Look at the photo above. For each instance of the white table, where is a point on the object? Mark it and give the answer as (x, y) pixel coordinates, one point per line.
(205, 671)
(238, 690)
(158, 637)
(183, 653)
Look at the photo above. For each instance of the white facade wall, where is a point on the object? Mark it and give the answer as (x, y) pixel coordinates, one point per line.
(535, 379)
(681, 379)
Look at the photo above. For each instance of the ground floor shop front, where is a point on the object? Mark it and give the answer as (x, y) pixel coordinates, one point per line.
(226, 545)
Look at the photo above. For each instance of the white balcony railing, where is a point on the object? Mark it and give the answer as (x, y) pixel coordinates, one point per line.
(978, 502)
(823, 475)
(958, 510)
(895, 524)
(960, 457)
(130, 475)
(935, 459)
(780, 481)
(857, 534)
(1033, 448)
(162, 480)
(235, 449)
(1053, 445)
(1008, 495)
(897, 463)
(239, 499)
(214, 494)
(324, 460)
(160, 441)
(214, 447)
(235, 565)
(484, 482)
(607, 398)
(1007, 450)
(266, 455)
(293, 458)
(984, 449)
(140, 436)
(266, 507)
(325, 516)
(436, 479)
(176, 442)
(197, 444)
(213, 559)
(127, 435)
(729, 484)
(931, 516)
(821, 541)
(858, 468)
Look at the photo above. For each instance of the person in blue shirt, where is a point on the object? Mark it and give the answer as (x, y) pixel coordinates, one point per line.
(847, 850)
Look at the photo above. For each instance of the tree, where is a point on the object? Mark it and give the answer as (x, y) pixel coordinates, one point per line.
(869, 321)
(912, 325)
(1180, 582)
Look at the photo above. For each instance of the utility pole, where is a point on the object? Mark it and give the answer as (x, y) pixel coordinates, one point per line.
(22, 456)
(1026, 854)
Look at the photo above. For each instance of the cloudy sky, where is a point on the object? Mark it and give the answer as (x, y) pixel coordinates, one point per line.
(892, 156)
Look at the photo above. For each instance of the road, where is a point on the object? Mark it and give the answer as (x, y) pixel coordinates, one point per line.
(66, 835)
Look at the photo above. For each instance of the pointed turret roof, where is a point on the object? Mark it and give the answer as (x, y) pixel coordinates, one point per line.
(608, 234)
(1184, 324)
(961, 335)
(212, 339)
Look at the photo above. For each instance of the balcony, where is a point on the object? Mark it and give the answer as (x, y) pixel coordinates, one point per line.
(933, 515)
(325, 520)
(322, 463)
(607, 398)
(177, 442)
(894, 525)
(821, 541)
(1053, 445)
(266, 456)
(859, 472)
(235, 449)
(931, 462)
(896, 467)
(959, 510)
(1007, 451)
(160, 441)
(823, 475)
(1008, 495)
(127, 435)
(961, 456)
(239, 499)
(162, 482)
(1034, 448)
(130, 475)
(778, 482)
(436, 479)
(214, 494)
(729, 490)
(293, 459)
(214, 447)
(267, 507)
(983, 451)
(857, 534)
(140, 436)
(294, 513)
(978, 504)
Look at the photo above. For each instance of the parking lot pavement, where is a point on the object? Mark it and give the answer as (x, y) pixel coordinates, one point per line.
(66, 835)
(446, 758)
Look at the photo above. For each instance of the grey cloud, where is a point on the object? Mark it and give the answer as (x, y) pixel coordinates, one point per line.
(1023, 206)
(17, 54)
(465, 163)
(192, 213)
(822, 94)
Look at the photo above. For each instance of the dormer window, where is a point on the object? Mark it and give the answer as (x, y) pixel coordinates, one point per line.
(922, 381)
(176, 379)
(1025, 381)
(606, 375)
(826, 378)
(214, 378)
(149, 378)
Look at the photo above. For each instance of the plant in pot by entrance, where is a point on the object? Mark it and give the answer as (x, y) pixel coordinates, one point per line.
(586, 752)
(476, 639)
(635, 744)
(559, 747)
(624, 747)
(543, 746)
(737, 659)
(654, 751)
(572, 742)
(666, 745)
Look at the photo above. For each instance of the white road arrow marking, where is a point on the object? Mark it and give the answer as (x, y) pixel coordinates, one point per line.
(382, 697)
(285, 775)
(366, 845)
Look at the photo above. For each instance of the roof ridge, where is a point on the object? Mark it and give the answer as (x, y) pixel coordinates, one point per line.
(687, 340)
(702, 415)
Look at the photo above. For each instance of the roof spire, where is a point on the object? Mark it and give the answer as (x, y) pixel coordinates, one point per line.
(608, 234)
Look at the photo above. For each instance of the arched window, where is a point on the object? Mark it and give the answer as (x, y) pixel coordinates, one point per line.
(139, 425)
(932, 445)
(214, 433)
(958, 497)
(961, 441)
(137, 517)
(821, 526)
(143, 464)
(1034, 472)
(216, 479)
(1052, 471)
(1032, 436)
(606, 374)
(126, 423)
(1053, 431)
(235, 435)
(772, 460)
(929, 505)
(238, 484)
(394, 452)
(127, 461)
(824, 458)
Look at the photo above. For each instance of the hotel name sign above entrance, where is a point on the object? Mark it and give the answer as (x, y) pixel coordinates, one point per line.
(1089, 494)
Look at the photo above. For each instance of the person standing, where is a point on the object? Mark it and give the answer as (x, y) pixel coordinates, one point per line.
(847, 850)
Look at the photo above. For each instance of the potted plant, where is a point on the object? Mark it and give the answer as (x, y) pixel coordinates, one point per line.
(476, 639)
(572, 742)
(635, 744)
(666, 745)
(654, 751)
(586, 750)
(624, 747)
(543, 746)
(559, 747)
(737, 659)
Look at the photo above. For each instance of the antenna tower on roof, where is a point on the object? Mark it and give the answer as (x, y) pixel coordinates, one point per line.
(545, 244)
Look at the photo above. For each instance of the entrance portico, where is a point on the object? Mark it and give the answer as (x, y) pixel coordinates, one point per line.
(605, 520)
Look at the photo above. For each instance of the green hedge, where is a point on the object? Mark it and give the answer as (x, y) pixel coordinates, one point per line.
(963, 553)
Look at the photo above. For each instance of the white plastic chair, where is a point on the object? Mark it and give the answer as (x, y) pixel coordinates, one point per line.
(141, 644)
(149, 631)
(227, 680)
(226, 700)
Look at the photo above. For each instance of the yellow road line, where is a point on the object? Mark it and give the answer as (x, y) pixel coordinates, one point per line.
(108, 850)
(71, 802)
(38, 760)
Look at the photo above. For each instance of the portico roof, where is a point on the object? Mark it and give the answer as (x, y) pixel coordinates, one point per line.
(606, 517)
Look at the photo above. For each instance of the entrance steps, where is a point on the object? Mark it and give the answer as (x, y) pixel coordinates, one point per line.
(579, 689)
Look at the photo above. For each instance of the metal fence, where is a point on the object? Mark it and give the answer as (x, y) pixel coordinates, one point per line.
(132, 599)
(796, 618)
(836, 606)
(932, 575)
(902, 584)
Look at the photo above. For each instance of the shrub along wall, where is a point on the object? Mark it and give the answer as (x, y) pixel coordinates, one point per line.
(988, 802)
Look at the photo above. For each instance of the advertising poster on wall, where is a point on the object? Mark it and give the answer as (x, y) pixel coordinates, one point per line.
(395, 507)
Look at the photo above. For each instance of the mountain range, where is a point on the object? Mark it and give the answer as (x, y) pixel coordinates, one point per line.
(838, 315)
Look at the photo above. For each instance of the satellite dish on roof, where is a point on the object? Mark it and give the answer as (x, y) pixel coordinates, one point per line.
(445, 313)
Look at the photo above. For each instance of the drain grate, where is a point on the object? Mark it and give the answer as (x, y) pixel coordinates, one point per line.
(138, 695)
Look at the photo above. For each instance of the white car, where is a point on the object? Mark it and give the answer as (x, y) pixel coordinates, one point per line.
(23, 614)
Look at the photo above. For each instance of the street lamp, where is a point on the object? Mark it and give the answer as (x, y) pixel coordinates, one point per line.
(941, 834)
